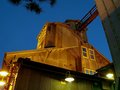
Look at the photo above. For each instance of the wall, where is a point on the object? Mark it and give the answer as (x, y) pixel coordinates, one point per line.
(35, 79)
(109, 11)
(58, 35)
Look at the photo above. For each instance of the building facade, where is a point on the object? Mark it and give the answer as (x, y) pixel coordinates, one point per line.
(62, 45)
(109, 11)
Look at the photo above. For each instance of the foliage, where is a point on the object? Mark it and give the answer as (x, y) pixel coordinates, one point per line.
(32, 5)
(16, 2)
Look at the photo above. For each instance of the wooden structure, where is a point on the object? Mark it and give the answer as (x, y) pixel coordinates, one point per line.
(102, 72)
(38, 76)
(61, 45)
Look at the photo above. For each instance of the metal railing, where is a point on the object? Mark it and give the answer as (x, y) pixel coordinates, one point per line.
(88, 18)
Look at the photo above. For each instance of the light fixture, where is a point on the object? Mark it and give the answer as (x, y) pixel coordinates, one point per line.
(69, 77)
(109, 76)
(2, 83)
(3, 73)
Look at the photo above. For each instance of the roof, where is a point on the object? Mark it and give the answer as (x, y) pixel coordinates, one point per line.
(56, 70)
(109, 66)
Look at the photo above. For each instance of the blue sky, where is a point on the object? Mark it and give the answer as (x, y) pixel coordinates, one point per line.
(20, 27)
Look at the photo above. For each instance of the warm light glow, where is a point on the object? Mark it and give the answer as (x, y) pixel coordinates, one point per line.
(63, 82)
(69, 79)
(2, 83)
(3, 73)
(109, 75)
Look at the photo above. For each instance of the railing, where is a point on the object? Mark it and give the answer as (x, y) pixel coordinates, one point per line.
(88, 18)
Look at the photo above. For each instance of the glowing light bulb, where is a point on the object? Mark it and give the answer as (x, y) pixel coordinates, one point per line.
(69, 79)
(2, 83)
(109, 75)
(3, 73)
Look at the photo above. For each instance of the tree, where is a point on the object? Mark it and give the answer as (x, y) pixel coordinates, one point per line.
(32, 5)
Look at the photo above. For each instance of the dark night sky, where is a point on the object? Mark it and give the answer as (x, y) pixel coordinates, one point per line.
(20, 27)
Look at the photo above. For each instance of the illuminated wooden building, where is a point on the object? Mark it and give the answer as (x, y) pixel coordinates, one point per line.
(61, 48)
(62, 45)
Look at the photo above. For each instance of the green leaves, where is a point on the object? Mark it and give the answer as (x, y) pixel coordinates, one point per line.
(15, 2)
(52, 2)
(32, 5)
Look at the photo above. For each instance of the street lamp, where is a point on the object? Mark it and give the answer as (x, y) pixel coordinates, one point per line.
(2, 83)
(110, 76)
(3, 73)
(69, 77)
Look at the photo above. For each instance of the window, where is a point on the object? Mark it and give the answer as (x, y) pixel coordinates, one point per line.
(84, 52)
(92, 72)
(91, 53)
(89, 71)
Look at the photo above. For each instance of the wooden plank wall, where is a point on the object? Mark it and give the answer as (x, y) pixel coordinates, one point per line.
(30, 79)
